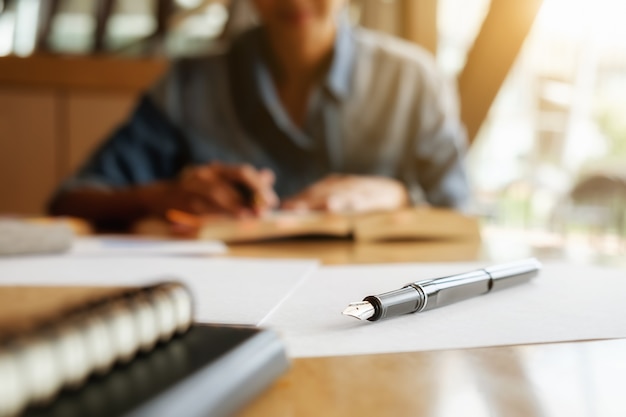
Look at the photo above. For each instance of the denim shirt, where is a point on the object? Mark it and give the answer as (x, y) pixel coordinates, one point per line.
(382, 109)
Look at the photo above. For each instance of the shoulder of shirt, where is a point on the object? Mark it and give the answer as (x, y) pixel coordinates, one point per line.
(386, 49)
(190, 71)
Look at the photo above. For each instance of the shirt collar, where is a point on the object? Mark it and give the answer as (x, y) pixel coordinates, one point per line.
(339, 76)
(337, 83)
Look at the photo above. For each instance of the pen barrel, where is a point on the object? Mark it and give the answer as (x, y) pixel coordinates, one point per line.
(508, 275)
(397, 302)
(448, 290)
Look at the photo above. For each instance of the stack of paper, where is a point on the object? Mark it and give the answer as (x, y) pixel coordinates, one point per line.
(304, 301)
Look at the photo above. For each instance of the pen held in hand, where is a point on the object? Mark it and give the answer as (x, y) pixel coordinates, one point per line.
(251, 198)
(432, 293)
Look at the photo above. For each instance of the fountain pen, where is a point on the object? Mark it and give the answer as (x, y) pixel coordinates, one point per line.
(432, 293)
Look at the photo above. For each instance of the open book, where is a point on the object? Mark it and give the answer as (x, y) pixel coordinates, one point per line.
(414, 223)
(55, 340)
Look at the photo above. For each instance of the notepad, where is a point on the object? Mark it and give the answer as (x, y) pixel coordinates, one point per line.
(51, 338)
(216, 368)
(226, 290)
(209, 371)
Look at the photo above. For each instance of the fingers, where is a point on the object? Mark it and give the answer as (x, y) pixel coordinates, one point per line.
(332, 202)
(256, 185)
(312, 199)
(234, 189)
(303, 201)
(328, 194)
(242, 190)
(267, 177)
(207, 189)
(159, 198)
(350, 193)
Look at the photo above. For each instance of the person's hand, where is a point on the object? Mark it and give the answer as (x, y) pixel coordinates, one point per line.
(350, 193)
(215, 189)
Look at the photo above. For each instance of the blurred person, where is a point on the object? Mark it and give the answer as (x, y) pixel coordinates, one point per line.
(303, 111)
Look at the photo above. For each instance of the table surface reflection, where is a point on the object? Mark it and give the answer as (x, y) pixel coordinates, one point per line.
(584, 378)
(563, 379)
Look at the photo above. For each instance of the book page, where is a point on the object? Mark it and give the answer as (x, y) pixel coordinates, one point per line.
(233, 291)
(416, 223)
(566, 302)
(275, 224)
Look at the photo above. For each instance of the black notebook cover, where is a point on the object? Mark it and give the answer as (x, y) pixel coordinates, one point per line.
(211, 370)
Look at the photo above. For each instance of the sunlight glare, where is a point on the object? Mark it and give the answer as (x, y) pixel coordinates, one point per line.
(599, 21)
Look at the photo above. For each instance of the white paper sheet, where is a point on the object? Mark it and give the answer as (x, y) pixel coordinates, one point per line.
(236, 291)
(139, 246)
(565, 302)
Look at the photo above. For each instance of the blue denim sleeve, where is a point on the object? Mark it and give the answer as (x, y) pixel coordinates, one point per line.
(147, 148)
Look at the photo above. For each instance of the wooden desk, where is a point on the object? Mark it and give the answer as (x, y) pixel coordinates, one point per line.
(564, 379)
(569, 379)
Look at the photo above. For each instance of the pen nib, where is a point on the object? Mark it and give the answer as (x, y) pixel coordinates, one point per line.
(361, 310)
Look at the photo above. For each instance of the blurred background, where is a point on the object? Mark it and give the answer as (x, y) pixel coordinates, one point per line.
(542, 87)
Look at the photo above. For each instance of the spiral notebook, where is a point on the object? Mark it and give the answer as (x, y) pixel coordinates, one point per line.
(62, 348)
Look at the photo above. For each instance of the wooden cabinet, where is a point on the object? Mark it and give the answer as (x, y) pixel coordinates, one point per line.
(29, 154)
(53, 113)
(92, 117)
(44, 137)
